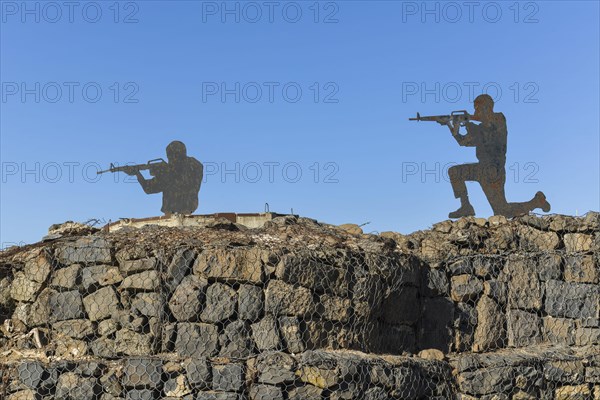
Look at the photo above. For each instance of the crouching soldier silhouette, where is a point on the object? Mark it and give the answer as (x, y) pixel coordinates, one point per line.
(179, 179)
(489, 138)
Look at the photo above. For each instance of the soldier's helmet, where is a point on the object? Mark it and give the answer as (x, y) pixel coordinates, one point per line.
(176, 150)
(484, 100)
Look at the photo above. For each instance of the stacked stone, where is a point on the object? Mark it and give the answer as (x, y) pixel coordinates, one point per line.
(549, 372)
(92, 298)
(489, 284)
(270, 376)
(102, 317)
(98, 299)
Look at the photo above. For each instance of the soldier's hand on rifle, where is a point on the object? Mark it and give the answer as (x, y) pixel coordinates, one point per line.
(442, 121)
(454, 127)
(130, 170)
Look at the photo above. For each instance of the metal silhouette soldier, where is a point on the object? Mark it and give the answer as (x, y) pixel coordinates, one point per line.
(489, 139)
(179, 180)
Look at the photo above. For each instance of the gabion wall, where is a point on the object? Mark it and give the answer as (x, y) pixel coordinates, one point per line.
(489, 309)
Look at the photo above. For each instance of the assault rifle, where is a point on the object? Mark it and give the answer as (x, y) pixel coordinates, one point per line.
(153, 165)
(457, 117)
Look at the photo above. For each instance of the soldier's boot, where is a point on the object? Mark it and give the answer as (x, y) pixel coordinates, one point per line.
(539, 200)
(520, 209)
(466, 210)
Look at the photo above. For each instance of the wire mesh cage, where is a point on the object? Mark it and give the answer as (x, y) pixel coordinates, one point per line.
(470, 309)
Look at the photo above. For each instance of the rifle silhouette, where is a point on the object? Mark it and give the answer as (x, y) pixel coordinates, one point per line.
(153, 166)
(460, 117)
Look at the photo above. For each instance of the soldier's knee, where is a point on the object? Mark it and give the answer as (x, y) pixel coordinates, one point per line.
(453, 172)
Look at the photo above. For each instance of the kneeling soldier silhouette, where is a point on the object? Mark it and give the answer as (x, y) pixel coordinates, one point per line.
(489, 139)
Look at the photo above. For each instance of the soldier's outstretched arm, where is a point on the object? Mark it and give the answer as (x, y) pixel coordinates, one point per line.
(454, 127)
(150, 186)
(466, 140)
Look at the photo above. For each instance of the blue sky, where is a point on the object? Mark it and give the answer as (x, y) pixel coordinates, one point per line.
(324, 89)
